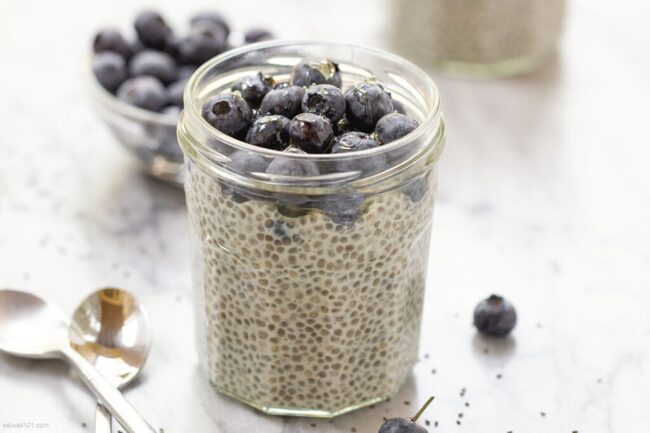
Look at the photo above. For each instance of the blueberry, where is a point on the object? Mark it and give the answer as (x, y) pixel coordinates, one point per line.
(111, 40)
(247, 162)
(285, 101)
(152, 29)
(212, 19)
(355, 141)
(270, 132)
(110, 69)
(201, 44)
(320, 71)
(401, 425)
(175, 92)
(292, 167)
(495, 316)
(416, 190)
(311, 132)
(229, 113)
(342, 209)
(343, 126)
(172, 111)
(155, 64)
(185, 71)
(282, 85)
(257, 35)
(144, 92)
(367, 102)
(253, 88)
(243, 162)
(393, 126)
(325, 100)
(136, 46)
(398, 107)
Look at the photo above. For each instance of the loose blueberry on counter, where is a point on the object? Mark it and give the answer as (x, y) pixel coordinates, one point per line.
(155, 64)
(286, 101)
(212, 19)
(257, 35)
(110, 69)
(393, 126)
(229, 113)
(202, 43)
(253, 88)
(495, 316)
(144, 92)
(175, 92)
(342, 209)
(355, 141)
(269, 131)
(111, 40)
(311, 132)
(405, 425)
(320, 71)
(325, 100)
(292, 167)
(367, 102)
(152, 29)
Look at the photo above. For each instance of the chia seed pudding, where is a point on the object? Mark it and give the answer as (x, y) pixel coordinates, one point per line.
(479, 37)
(309, 284)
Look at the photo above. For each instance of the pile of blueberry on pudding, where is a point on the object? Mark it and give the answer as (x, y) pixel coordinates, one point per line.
(150, 73)
(310, 193)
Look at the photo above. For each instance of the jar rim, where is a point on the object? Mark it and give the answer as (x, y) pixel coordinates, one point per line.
(431, 124)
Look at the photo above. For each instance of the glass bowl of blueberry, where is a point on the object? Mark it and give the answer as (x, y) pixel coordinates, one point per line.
(310, 178)
(138, 85)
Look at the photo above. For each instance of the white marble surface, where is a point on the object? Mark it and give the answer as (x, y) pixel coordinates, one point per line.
(544, 197)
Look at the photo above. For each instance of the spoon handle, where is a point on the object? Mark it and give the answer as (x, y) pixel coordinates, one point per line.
(102, 419)
(110, 397)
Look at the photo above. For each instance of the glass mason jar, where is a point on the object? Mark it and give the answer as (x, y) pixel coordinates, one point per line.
(480, 38)
(309, 289)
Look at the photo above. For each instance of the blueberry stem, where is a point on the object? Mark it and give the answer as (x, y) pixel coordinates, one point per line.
(422, 409)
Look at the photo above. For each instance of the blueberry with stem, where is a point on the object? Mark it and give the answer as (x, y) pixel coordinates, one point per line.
(406, 425)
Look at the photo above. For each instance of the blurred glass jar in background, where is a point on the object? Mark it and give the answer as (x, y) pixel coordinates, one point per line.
(478, 38)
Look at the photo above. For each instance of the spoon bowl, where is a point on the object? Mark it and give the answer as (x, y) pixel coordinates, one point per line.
(31, 327)
(111, 330)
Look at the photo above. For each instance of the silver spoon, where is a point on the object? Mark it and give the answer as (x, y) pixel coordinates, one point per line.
(111, 330)
(32, 328)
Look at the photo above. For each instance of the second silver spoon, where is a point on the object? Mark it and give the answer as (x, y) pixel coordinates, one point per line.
(111, 330)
